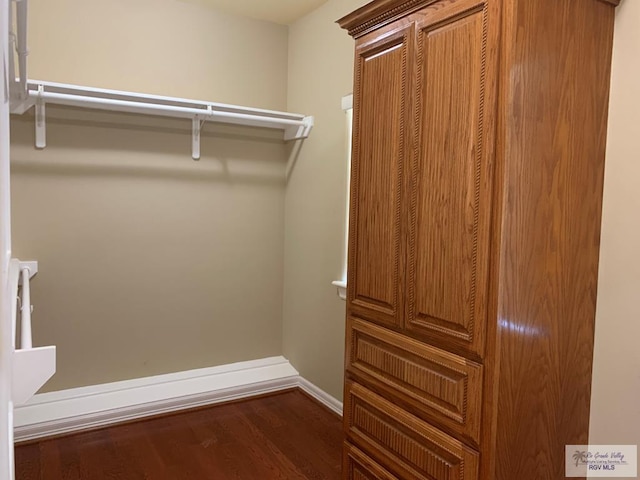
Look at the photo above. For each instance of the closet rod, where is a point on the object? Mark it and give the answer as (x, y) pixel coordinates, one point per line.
(295, 126)
(164, 110)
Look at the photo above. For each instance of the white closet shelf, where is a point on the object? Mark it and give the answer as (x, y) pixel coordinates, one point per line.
(294, 126)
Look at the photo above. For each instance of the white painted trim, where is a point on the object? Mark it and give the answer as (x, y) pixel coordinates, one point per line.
(341, 285)
(347, 102)
(6, 344)
(83, 408)
(321, 396)
(32, 367)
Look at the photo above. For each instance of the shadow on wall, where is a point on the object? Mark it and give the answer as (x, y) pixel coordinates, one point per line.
(293, 154)
(151, 262)
(152, 147)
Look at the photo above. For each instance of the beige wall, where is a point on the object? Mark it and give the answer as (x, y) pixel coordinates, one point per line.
(164, 47)
(149, 262)
(320, 73)
(615, 408)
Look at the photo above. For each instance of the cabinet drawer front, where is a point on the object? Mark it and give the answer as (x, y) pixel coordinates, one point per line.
(445, 388)
(407, 445)
(357, 466)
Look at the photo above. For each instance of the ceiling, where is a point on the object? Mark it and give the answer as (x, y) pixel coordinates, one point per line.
(278, 11)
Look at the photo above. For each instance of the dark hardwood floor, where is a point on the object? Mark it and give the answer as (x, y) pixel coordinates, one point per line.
(285, 436)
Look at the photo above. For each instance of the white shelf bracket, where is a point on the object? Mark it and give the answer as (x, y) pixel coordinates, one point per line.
(299, 132)
(41, 126)
(32, 266)
(31, 369)
(195, 138)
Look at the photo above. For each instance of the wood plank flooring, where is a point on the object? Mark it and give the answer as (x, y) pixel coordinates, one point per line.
(285, 436)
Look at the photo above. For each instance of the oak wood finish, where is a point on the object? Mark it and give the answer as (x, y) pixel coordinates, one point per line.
(402, 441)
(357, 466)
(283, 436)
(490, 340)
(431, 383)
(374, 15)
(452, 174)
(554, 131)
(377, 263)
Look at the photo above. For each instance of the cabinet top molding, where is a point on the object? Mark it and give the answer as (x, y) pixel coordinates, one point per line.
(378, 13)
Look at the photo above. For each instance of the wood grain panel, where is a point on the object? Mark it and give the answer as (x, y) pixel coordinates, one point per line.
(282, 436)
(357, 466)
(407, 445)
(376, 260)
(439, 386)
(555, 128)
(451, 193)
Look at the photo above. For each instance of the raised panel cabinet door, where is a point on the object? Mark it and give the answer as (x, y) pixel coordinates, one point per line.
(384, 68)
(451, 185)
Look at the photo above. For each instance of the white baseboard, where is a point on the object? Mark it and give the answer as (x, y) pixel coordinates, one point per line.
(321, 396)
(83, 408)
(77, 409)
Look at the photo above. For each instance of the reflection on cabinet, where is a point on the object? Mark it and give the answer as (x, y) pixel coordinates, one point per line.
(477, 172)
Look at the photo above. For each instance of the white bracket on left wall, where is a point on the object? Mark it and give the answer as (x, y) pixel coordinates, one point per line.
(31, 265)
(32, 367)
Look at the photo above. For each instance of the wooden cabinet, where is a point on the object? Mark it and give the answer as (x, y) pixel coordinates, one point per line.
(412, 447)
(357, 466)
(437, 384)
(477, 174)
